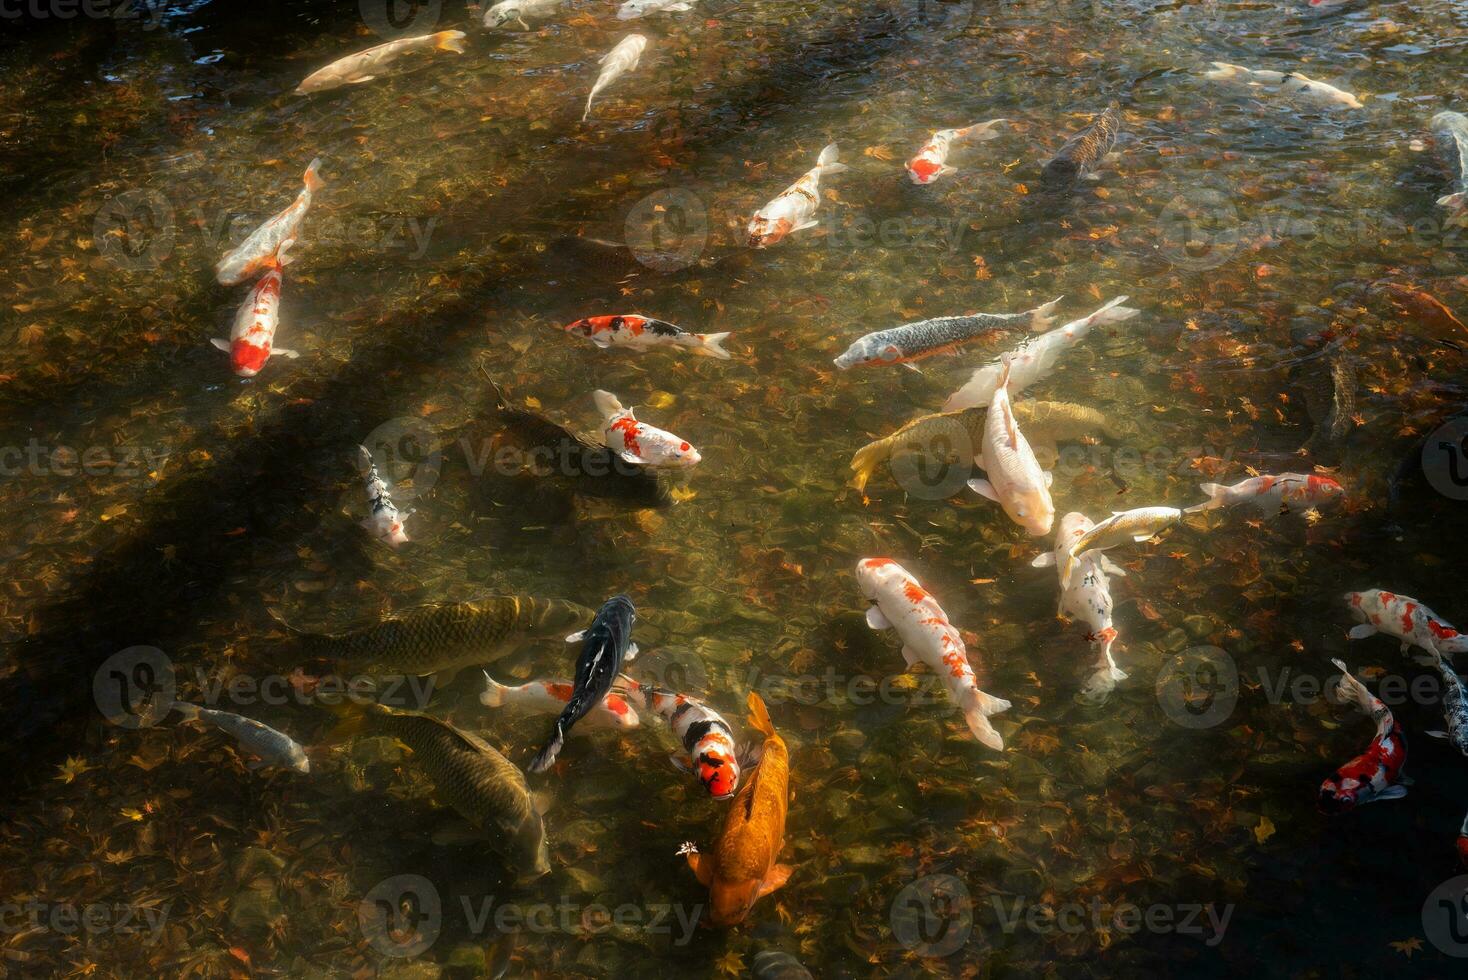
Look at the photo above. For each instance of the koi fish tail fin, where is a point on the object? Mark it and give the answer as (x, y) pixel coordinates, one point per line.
(494, 693)
(1042, 317)
(712, 345)
(759, 716)
(865, 463)
(1350, 689)
(1113, 312)
(312, 177)
(450, 41)
(979, 132)
(827, 162)
(352, 719)
(546, 757)
(606, 403)
(977, 707)
(1099, 685)
(190, 712)
(1215, 493)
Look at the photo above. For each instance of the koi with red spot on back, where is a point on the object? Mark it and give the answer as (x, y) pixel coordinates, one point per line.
(1286, 492)
(900, 603)
(637, 332)
(1408, 620)
(253, 333)
(931, 161)
(259, 250)
(792, 210)
(638, 442)
(550, 697)
(707, 740)
(1375, 774)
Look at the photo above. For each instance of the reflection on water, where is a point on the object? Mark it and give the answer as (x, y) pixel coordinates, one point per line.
(156, 500)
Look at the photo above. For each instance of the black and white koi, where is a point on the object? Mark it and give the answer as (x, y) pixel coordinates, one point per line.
(707, 739)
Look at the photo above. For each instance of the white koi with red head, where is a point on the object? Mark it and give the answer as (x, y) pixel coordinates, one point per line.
(252, 337)
(899, 603)
(931, 161)
(638, 442)
(794, 208)
(550, 697)
(707, 740)
(259, 250)
(385, 523)
(1088, 599)
(1288, 492)
(1015, 480)
(1403, 617)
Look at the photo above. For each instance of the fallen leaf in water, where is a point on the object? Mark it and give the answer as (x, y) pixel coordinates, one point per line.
(878, 152)
(1407, 946)
(1265, 830)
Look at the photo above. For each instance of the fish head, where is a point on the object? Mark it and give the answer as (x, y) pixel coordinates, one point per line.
(764, 232)
(632, 9)
(299, 762)
(683, 454)
(875, 576)
(867, 351)
(247, 359)
(719, 773)
(1324, 488)
(730, 901)
(395, 535)
(1032, 510)
(530, 854)
(1356, 601)
(581, 328)
(552, 617)
(923, 171)
(501, 14)
(1341, 795)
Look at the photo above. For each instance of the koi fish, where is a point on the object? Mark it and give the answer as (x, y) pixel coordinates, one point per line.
(1455, 707)
(507, 11)
(940, 335)
(1272, 494)
(1376, 774)
(251, 338)
(638, 442)
(364, 65)
(1450, 136)
(273, 748)
(1080, 156)
(1408, 620)
(616, 63)
(1014, 478)
(1290, 83)
(793, 209)
(552, 696)
(639, 333)
(743, 866)
(931, 161)
(1122, 526)
(1088, 599)
(260, 249)
(604, 647)
(707, 739)
(385, 523)
(899, 603)
(1035, 358)
(1462, 843)
(633, 9)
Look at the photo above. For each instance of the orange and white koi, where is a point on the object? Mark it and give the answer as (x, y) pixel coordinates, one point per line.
(707, 740)
(365, 65)
(550, 697)
(1285, 492)
(385, 523)
(251, 338)
(616, 63)
(1407, 619)
(1088, 598)
(638, 442)
(931, 161)
(899, 603)
(1013, 477)
(640, 333)
(259, 250)
(793, 209)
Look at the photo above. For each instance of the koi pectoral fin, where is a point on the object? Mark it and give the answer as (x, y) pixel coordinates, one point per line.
(777, 877)
(1362, 632)
(221, 344)
(702, 866)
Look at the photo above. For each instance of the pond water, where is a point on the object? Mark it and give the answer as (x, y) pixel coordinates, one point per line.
(155, 500)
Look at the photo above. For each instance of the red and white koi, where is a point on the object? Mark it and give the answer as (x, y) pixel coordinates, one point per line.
(385, 523)
(551, 697)
(708, 741)
(1376, 774)
(899, 603)
(616, 63)
(638, 442)
(795, 206)
(1408, 620)
(365, 65)
(259, 250)
(251, 338)
(1014, 479)
(1285, 492)
(1088, 599)
(931, 161)
(640, 333)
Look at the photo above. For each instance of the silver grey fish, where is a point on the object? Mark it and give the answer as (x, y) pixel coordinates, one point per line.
(273, 747)
(1450, 134)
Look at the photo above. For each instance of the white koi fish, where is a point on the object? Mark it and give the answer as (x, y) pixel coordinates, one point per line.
(638, 442)
(1290, 492)
(792, 210)
(365, 65)
(272, 747)
(1407, 619)
(551, 697)
(515, 11)
(1450, 137)
(633, 9)
(1290, 83)
(1122, 526)
(1034, 358)
(257, 251)
(931, 161)
(1015, 480)
(251, 338)
(385, 523)
(900, 603)
(1088, 599)
(707, 740)
(616, 63)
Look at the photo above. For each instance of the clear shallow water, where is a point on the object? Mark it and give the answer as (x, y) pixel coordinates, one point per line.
(451, 241)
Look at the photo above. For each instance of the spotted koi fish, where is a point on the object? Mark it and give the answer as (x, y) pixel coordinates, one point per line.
(385, 523)
(1376, 774)
(1455, 707)
(551, 697)
(1084, 152)
(931, 161)
(638, 442)
(251, 338)
(899, 603)
(639, 333)
(1286, 492)
(793, 209)
(1408, 620)
(1088, 599)
(707, 739)
(940, 335)
(260, 249)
